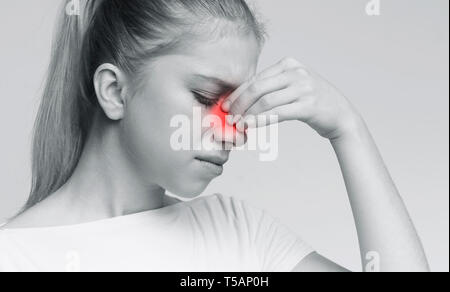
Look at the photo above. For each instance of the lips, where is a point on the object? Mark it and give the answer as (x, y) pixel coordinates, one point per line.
(217, 160)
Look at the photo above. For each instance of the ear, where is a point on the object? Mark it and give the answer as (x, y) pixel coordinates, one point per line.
(109, 83)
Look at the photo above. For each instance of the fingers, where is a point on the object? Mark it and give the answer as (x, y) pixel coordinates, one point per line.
(256, 90)
(262, 87)
(278, 98)
(277, 115)
(229, 137)
(226, 105)
(287, 112)
(284, 65)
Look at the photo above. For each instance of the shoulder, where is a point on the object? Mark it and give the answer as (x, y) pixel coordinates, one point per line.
(227, 207)
(3, 239)
(277, 246)
(15, 249)
(53, 210)
(27, 219)
(6, 250)
(228, 218)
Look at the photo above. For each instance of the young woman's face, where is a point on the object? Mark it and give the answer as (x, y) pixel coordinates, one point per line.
(173, 85)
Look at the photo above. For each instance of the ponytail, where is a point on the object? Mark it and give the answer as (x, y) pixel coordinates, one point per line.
(58, 137)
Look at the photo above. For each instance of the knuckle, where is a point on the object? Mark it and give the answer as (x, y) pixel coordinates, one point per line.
(290, 62)
(302, 71)
(299, 74)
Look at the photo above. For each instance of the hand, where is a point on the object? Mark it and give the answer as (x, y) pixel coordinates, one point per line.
(292, 92)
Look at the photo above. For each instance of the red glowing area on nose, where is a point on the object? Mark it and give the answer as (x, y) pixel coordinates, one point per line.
(217, 111)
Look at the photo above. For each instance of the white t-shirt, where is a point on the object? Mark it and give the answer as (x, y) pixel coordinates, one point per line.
(209, 234)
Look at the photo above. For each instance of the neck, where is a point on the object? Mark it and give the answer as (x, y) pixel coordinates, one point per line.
(105, 184)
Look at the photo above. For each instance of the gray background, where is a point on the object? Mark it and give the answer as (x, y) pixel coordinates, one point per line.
(394, 67)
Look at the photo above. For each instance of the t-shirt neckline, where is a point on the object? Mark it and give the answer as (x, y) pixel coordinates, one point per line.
(116, 219)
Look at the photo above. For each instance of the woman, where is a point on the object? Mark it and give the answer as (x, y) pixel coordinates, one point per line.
(103, 161)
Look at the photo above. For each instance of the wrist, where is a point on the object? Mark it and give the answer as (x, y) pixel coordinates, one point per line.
(351, 128)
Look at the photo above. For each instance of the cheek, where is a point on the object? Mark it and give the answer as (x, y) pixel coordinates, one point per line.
(145, 134)
(152, 112)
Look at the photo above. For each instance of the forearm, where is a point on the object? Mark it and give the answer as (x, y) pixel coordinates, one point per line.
(382, 221)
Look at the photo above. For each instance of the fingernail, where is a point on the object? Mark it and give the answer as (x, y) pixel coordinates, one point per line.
(226, 106)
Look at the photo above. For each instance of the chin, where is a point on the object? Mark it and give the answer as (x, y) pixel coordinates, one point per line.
(190, 190)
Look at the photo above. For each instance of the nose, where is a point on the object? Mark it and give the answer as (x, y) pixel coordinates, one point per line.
(229, 136)
(224, 133)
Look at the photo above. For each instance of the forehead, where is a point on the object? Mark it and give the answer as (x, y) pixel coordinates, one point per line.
(231, 59)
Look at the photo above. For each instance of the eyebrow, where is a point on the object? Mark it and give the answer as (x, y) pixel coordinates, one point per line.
(224, 85)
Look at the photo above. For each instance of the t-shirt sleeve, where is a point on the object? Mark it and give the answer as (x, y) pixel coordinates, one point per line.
(278, 248)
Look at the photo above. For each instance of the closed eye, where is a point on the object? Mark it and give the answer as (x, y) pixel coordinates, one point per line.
(207, 101)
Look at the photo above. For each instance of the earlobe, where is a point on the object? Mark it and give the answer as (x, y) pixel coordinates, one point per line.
(109, 82)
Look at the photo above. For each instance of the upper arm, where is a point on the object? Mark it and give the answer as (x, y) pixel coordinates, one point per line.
(317, 263)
